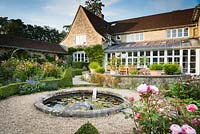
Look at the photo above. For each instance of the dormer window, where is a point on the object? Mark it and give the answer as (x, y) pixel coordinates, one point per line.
(134, 37)
(177, 33)
(80, 39)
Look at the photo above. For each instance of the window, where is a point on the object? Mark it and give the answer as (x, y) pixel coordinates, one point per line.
(185, 32)
(180, 32)
(80, 39)
(177, 33)
(80, 56)
(155, 53)
(173, 32)
(134, 37)
(168, 33)
(161, 53)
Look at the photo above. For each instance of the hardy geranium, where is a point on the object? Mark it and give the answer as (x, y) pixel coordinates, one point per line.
(192, 107)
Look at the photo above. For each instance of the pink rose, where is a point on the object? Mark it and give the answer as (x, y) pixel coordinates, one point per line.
(154, 89)
(186, 129)
(176, 129)
(131, 98)
(142, 89)
(137, 116)
(192, 107)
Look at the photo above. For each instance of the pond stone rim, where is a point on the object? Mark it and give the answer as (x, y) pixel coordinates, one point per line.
(79, 113)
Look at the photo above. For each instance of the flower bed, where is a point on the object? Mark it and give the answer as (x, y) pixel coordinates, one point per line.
(34, 86)
(155, 113)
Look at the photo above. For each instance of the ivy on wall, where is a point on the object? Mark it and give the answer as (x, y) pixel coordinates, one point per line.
(95, 53)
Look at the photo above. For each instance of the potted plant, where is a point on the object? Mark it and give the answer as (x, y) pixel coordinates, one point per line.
(156, 69)
(113, 66)
(93, 66)
(172, 69)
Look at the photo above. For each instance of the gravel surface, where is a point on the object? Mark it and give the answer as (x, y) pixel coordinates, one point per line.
(19, 116)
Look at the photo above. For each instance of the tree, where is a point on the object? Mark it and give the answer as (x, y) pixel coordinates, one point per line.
(95, 6)
(17, 27)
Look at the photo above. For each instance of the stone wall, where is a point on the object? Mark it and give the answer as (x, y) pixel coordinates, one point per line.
(131, 82)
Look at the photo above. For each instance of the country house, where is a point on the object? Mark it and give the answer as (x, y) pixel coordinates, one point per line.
(172, 37)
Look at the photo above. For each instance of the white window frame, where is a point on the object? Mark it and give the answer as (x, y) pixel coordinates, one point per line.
(169, 33)
(135, 37)
(80, 39)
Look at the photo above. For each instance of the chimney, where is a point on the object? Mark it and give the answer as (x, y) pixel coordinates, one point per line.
(100, 15)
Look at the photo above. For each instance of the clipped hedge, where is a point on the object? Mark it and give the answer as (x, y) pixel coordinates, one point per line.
(13, 89)
(77, 71)
(87, 128)
(9, 90)
(79, 65)
(66, 81)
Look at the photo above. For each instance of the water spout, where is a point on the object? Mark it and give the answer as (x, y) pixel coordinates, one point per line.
(94, 94)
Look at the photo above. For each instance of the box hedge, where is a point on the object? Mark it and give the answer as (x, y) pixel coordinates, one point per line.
(13, 89)
(87, 128)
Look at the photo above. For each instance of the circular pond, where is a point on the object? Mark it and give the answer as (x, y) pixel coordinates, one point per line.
(81, 103)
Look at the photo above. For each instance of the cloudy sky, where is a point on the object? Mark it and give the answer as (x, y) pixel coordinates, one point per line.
(56, 13)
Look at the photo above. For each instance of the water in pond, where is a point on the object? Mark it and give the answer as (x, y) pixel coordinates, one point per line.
(83, 102)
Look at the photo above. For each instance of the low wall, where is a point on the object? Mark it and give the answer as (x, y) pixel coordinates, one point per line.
(131, 82)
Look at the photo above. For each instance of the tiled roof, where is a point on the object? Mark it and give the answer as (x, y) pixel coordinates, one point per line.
(163, 20)
(99, 24)
(154, 45)
(28, 44)
(158, 21)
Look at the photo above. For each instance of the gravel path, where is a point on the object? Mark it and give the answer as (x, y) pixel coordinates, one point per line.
(19, 116)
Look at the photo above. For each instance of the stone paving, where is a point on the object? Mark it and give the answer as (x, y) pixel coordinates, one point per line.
(77, 81)
(19, 116)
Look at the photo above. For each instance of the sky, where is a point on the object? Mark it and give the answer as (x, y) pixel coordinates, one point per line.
(57, 13)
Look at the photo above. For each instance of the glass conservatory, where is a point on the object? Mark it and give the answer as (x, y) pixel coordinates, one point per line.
(185, 52)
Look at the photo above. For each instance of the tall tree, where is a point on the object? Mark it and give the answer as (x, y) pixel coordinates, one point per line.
(17, 27)
(95, 6)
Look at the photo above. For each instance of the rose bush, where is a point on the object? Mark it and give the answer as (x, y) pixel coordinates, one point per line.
(154, 113)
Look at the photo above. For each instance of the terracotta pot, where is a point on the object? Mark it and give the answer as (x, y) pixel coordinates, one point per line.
(155, 72)
(92, 71)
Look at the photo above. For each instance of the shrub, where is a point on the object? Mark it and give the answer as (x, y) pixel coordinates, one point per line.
(51, 70)
(152, 114)
(26, 69)
(77, 71)
(9, 90)
(94, 65)
(172, 69)
(87, 128)
(156, 67)
(186, 90)
(100, 70)
(66, 81)
(134, 72)
(8, 68)
(79, 65)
